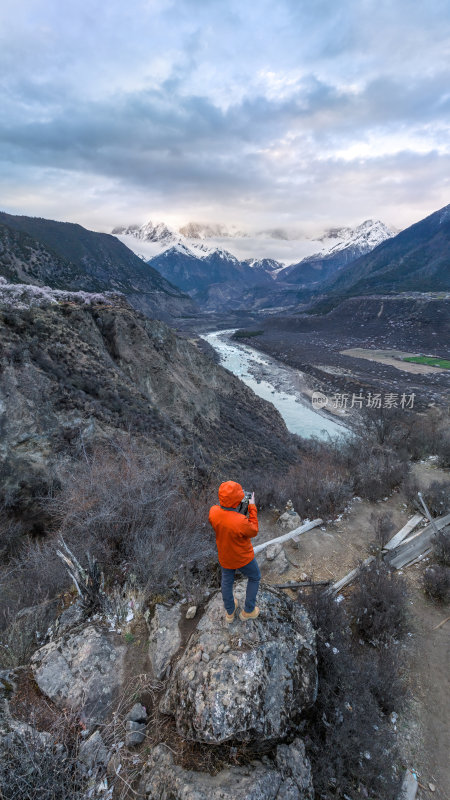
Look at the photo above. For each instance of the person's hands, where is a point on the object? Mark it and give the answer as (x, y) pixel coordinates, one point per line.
(252, 499)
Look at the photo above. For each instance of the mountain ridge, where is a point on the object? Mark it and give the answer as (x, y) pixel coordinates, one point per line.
(36, 250)
(416, 259)
(219, 280)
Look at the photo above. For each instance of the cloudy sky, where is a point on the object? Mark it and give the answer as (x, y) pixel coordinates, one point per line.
(266, 113)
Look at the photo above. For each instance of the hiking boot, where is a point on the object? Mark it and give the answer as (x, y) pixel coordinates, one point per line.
(230, 617)
(252, 615)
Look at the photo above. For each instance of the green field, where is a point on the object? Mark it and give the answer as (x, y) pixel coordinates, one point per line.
(430, 360)
(243, 334)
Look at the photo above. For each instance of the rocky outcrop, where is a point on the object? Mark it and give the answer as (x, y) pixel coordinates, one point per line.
(83, 669)
(273, 560)
(165, 637)
(288, 777)
(248, 681)
(289, 520)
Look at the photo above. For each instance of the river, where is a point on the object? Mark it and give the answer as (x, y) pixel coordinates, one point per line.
(277, 383)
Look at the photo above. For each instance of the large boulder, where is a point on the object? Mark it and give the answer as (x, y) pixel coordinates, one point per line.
(288, 777)
(248, 681)
(83, 669)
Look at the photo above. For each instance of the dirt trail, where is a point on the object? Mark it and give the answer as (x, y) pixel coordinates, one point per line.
(329, 552)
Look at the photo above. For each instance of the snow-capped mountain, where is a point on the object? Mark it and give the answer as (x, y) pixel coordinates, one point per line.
(287, 247)
(150, 232)
(206, 230)
(152, 239)
(213, 275)
(340, 246)
(365, 237)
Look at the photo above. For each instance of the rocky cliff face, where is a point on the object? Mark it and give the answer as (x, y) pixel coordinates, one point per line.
(69, 368)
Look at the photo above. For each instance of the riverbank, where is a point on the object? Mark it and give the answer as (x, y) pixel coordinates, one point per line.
(288, 389)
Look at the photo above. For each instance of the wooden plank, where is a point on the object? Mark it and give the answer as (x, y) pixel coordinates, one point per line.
(417, 560)
(403, 532)
(419, 547)
(439, 523)
(418, 544)
(409, 786)
(286, 536)
(336, 587)
(300, 584)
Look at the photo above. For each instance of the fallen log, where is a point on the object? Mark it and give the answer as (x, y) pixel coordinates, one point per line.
(300, 584)
(286, 536)
(403, 532)
(336, 587)
(440, 624)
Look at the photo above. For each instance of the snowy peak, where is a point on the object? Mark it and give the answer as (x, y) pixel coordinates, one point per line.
(202, 240)
(207, 230)
(269, 265)
(150, 232)
(340, 246)
(364, 237)
(368, 235)
(151, 239)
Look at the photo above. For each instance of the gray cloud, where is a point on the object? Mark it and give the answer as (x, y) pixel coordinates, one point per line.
(229, 108)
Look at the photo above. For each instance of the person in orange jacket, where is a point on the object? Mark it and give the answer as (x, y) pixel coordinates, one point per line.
(234, 532)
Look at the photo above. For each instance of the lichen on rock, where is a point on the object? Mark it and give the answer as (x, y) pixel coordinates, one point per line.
(83, 670)
(255, 691)
(277, 780)
(165, 637)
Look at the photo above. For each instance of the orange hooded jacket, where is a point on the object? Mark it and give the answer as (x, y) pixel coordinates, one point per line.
(233, 530)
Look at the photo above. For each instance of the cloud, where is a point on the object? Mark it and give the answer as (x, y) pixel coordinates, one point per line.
(288, 110)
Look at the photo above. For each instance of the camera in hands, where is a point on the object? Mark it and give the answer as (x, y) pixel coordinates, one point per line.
(243, 507)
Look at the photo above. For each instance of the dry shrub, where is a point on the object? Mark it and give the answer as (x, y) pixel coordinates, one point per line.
(377, 473)
(443, 448)
(382, 426)
(28, 588)
(319, 485)
(437, 498)
(348, 740)
(134, 510)
(328, 474)
(41, 766)
(378, 604)
(428, 434)
(441, 547)
(11, 535)
(436, 583)
(383, 528)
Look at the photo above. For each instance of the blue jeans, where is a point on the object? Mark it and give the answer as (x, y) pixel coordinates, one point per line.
(251, 571)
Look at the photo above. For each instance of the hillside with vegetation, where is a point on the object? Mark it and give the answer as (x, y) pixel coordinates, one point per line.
(65, 255)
